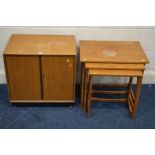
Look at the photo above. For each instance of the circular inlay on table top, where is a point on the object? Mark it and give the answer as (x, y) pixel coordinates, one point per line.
(109, 53)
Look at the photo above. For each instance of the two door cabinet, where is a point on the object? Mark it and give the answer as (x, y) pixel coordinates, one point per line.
(41, 68)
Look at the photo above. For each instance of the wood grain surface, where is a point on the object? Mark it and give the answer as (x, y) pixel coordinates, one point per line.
(112, 52)
(58, 77)
(23, 44)
(123, 73)
(23, 77)
(115, 66)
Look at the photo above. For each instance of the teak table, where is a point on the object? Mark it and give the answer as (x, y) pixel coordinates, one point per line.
(111, 58)
(41, 68)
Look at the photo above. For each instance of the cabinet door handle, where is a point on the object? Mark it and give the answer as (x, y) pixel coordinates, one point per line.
(67, 60)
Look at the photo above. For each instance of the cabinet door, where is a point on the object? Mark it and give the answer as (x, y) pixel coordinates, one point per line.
(58, 77)
(23, 77)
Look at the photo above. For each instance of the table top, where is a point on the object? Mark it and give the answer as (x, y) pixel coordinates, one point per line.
(114, 66)
(25, 44)
(112, 52)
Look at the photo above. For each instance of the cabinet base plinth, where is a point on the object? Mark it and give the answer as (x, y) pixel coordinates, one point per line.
(42, 101)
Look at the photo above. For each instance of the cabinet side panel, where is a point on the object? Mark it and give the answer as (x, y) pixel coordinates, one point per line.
(6, 75)
(23, 77)
(58, 77)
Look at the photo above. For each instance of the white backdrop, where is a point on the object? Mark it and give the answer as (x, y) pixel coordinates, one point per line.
(146, 36)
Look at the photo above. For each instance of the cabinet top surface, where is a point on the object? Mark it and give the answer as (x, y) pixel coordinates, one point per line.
(41, 45)
(112, 52)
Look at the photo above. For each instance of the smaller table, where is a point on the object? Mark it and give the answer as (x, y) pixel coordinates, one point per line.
(111, 58)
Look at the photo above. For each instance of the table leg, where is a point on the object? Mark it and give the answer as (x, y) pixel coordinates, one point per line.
(82, 83)
(130, 86)
(137, 95)
(85, 90)
(89, 96)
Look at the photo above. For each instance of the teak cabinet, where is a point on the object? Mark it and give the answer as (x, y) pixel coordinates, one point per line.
(41, 68)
